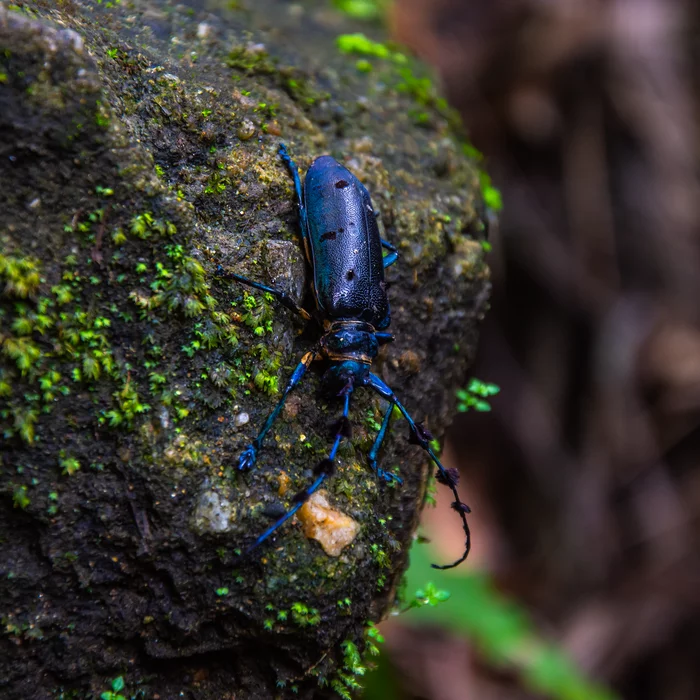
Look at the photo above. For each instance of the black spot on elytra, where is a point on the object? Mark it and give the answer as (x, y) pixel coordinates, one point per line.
(349, 275)
(341, 229)
(341, 183)
(328, 236)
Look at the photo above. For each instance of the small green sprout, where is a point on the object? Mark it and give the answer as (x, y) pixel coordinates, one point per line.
(429, 595)
(492, 196)
(115, 694)
(53, 503)
(360, 44)
(304, 616)
(372, 638)
(69, 465)
(475, 395)
(361, 9)
(20, 497)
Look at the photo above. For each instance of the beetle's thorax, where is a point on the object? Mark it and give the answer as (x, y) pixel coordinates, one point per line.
(350, 340)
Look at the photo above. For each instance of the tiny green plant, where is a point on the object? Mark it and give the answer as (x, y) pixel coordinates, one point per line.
(373, 637)
(346, 682)
(53, 503)
(355, 665)
(69, 465)
(20, 497)
(475, 396)
(304, 616)
(492, 196)
(115, 692)
(362, 9)
(430, 595)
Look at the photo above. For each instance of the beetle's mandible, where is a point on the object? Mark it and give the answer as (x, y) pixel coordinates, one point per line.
(343, 248)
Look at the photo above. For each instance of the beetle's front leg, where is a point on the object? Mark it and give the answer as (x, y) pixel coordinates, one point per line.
(324, 469)
(250, 454)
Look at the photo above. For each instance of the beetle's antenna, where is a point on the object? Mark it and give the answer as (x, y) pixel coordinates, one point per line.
(449, 477)
(323, 470)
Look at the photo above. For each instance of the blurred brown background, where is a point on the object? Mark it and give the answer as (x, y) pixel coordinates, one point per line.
(584, 477)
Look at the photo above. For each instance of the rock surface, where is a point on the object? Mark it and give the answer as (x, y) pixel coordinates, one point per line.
(138, 152)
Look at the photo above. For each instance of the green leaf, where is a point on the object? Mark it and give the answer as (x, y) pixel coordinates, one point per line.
(498, 626)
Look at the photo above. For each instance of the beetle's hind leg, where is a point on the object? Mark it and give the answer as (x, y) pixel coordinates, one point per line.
(250, 454)
(448, 477)
(323, 470)
(389, 477)
(281, 296)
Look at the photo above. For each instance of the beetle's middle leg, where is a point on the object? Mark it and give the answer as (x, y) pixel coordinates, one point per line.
(250, 454)
(393, 253)
(281, 296)
(323, 470)
(372, 456)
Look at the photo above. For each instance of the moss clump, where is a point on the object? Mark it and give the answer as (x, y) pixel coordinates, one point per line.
(20, 276)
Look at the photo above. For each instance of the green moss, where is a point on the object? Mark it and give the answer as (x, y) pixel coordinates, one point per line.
(492, 197)
(362, 9)
(20, 275)
(20, 497)
(69, 465)
(304, 616)
(345, 682)
(301, 89)
(217, 184)
(251, 60)
(129, 406)
(52, 508)
(360, 44)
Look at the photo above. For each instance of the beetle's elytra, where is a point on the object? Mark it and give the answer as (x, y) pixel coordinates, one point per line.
(344, 250)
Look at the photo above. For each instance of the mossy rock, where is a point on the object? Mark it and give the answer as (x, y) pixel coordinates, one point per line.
(139, 153)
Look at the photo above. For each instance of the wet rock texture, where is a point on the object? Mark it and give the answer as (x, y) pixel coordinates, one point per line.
(138, 153)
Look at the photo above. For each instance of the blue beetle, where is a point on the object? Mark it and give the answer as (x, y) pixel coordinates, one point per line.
(343, 248)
